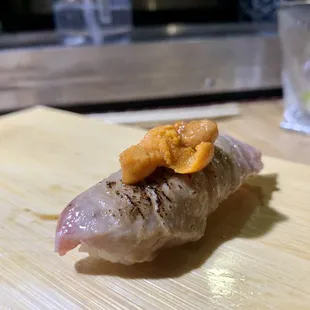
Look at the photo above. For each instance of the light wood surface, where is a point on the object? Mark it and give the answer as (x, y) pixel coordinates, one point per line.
(255, 253)
(257, 123)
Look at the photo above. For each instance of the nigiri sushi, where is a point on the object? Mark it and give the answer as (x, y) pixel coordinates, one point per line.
(131, 223)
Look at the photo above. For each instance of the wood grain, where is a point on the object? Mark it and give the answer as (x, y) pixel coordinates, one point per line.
(255, 253)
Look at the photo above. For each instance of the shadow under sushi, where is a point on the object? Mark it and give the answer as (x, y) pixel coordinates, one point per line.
(245, 214)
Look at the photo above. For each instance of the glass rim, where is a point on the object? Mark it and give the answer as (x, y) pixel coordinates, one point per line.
(289, 4)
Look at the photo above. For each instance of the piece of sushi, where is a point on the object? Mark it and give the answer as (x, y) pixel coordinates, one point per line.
(131, 223)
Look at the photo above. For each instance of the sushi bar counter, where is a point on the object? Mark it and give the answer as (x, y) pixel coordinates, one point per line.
(256, 122)
(254, 253)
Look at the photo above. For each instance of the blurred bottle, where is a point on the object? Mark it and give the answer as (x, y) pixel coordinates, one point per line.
(81, 22)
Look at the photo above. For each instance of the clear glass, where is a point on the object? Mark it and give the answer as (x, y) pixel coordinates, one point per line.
(294, 30)
(93, 21)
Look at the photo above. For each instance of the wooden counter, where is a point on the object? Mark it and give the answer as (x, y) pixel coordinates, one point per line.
(259, 125)
(255, 253)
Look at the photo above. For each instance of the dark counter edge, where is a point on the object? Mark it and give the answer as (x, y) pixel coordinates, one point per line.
(168, 102)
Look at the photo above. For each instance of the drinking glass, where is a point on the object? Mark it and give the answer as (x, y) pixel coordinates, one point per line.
(294, 31)
(93, 21)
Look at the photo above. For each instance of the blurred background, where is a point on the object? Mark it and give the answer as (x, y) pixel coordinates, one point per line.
(109, 55)
(35, 15)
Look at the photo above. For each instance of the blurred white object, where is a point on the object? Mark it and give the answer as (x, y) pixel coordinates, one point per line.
(93, 21)
(150, 118)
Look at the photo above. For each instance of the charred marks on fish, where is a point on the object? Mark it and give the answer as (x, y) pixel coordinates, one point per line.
(110, 184)
(134, 206)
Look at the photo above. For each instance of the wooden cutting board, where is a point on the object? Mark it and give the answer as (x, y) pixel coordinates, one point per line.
(255, 254)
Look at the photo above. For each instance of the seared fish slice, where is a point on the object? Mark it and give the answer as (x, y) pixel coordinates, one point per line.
(130, 223)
